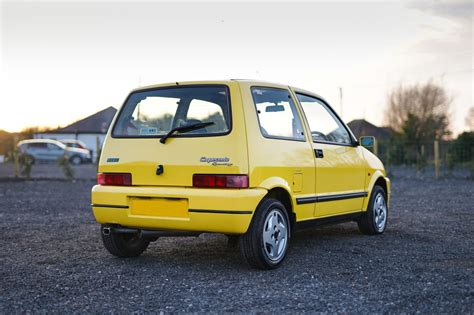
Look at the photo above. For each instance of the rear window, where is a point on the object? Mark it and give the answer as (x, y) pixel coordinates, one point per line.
(153, 113)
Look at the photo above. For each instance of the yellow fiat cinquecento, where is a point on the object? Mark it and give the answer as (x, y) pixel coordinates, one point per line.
(252, 160)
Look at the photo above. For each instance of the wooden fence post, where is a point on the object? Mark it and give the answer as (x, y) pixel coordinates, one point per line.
(436, 158)
(98, 149)
(16, 157)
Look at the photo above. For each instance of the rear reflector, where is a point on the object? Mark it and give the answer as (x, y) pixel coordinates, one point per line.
(220, 181)
(114, 179)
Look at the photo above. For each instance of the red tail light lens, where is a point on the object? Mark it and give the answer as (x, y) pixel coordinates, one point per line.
(114, 179)
(220, 181)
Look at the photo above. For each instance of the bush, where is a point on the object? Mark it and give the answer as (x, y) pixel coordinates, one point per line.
(470, 166)
(25, 162)
(66, 167)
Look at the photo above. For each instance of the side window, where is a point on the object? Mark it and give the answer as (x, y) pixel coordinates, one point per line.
(37, 145)
(325, 127)
(277, 114)
(53, 147)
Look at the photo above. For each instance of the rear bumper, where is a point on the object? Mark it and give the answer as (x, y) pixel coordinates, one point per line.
(209, 210)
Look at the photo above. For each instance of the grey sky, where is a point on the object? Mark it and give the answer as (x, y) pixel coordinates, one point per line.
(65, 60)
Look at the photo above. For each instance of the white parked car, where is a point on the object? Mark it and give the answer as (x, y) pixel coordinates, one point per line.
(72, 143)
(52, 150)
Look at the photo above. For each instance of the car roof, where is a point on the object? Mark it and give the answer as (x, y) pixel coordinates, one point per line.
(39, 141)
(246, 82)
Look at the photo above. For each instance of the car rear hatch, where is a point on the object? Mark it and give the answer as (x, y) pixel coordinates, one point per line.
(148, 115)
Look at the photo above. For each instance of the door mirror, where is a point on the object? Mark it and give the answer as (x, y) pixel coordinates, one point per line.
(367, 142)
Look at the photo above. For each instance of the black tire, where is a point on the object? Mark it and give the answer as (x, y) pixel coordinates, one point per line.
(232, 241)
(75, 160)
(123, 245)
(368, 223)
(252, 245)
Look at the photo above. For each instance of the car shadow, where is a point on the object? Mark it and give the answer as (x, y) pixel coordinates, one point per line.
(211, 251)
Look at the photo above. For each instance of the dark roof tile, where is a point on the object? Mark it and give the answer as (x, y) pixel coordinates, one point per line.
(96, 123)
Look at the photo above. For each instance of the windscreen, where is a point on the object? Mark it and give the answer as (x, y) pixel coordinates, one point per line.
(153, 113)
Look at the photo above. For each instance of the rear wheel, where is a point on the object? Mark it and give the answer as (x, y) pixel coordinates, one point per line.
(266, 242)
(374, 221)
(123, 244)
(76, 160)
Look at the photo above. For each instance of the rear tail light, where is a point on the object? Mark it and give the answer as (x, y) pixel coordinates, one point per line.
(220, 181)
(114, 179)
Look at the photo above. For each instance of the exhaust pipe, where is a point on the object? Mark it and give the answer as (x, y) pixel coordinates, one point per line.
(106, 230)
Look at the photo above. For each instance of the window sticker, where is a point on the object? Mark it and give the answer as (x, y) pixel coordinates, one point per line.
(148, 131)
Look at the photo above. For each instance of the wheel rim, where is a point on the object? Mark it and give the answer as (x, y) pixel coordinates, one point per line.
(275, 235)
(76, 160)
(380, 212)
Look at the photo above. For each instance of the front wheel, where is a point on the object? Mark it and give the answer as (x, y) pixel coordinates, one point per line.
(123, 244)
(265, 244)
(374, 221)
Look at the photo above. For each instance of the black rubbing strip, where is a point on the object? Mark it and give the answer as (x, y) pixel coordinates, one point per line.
(305, 200)
(221, 211)
(314, 199)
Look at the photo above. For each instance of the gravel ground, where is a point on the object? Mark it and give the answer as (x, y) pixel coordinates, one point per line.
(50, 171)
(53, 260)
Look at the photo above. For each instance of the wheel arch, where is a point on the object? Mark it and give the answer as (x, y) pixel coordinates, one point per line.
(382, 183)
(378, 178)
(279, 189)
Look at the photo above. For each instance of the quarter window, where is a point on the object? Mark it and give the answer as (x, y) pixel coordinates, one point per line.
(324, 125)
(277, 114)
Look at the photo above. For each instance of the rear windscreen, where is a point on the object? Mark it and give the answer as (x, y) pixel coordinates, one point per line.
(153, 113)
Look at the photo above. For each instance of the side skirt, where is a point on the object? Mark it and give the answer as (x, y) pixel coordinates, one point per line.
(328, 221)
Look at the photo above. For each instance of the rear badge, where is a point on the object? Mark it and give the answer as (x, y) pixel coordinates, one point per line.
(113, 160)
(216, 161)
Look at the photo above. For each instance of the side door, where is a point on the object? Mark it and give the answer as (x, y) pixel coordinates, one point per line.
(340, 164)
(278, 146)
(38, 150)
(54, 152)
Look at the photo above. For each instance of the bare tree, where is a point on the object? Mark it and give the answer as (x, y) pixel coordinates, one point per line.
(470, 119)
(419, 112)
(29, 132)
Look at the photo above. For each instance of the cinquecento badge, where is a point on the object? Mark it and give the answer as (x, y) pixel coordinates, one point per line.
(216, 161)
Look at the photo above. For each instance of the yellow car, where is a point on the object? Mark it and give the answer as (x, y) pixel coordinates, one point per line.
(252, 160)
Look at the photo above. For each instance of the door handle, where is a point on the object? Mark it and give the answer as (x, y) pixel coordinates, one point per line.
(319, 153)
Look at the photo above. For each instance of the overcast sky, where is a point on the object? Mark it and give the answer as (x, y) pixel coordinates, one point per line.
(61, 61)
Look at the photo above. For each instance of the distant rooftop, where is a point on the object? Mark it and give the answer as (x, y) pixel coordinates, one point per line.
(361, 127)
(96, 123)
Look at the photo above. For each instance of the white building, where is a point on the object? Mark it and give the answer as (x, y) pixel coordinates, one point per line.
(90, 130)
